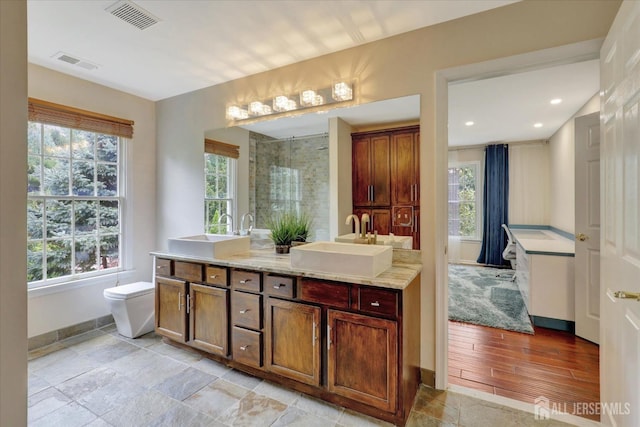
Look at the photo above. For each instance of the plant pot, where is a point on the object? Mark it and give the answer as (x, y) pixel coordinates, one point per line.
(282, 249)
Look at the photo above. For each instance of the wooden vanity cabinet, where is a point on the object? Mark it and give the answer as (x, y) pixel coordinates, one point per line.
(371, 169)
(171, 308)
(405, 167)
(363, 358)
(190, 311)
(293, 345)
(208, 319)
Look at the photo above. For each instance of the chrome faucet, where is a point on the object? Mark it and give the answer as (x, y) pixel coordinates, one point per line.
(244, 232)
(226, 215)
(363, 224)
(356, 221)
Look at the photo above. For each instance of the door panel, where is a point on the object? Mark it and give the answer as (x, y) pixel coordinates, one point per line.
(403, 169)
(363, 358)
(293, 340)
(171, 310)
(361, 175)
(587, 202)
(208, 327)
(381, 170)
(620, 246)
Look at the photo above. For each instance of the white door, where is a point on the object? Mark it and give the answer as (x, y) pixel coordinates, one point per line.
(587, 262)
(620, 214)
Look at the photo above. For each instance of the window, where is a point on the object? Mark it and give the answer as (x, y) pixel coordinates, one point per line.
(285, 192)
(74, 203)
(219, 194)
(464, 199)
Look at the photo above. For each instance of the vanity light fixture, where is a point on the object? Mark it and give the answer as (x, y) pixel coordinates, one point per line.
(308, 98)
(537, 125)
(236, 113)
(469, 123)
(282, 103)
(555, 101)
(257, 108)
(342, 92)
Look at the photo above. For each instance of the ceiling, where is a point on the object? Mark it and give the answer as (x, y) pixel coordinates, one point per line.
(196, 44)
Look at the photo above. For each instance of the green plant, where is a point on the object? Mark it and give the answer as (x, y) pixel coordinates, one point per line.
(289, 226)
(283, 228)
(302, 227)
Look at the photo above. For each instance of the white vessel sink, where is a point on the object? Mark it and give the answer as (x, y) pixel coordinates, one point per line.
(397, 242)
(342, 258)
(209, 245)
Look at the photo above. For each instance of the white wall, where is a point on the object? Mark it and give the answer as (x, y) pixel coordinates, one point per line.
(66, 305)
(13, 221)
(562, 170)
(388, 68)
(529, 183)
(340, 196)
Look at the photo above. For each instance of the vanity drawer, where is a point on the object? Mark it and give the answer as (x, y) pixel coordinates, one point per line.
(216, 276)
(281, 286)
(325, 293)
(164, 267)
(247, 346)
(246, 310)
(246, 280)
(189, 271)
(378, 301)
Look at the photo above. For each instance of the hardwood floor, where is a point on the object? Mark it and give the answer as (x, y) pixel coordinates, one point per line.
(557, 365)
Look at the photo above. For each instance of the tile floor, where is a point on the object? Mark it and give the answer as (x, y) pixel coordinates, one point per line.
(103, 379)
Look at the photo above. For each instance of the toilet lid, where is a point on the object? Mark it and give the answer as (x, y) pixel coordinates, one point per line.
(129, 291)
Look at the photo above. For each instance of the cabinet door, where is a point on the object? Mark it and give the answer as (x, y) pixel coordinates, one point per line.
(381, 170)
(208, 326)
(361, 171)
(380, 221)
(171, 308)
(404, 177)
(363, 358)
(293, 340)
(410, 217)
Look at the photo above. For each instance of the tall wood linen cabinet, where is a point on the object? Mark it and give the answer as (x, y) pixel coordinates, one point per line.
(386, 180)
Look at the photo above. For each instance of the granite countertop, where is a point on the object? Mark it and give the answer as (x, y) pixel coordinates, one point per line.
(406, 266)
(543, 242)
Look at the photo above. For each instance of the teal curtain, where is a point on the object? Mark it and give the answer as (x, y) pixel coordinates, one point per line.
(495, 204)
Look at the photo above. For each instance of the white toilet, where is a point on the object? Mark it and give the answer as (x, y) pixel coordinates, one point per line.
(132, 307)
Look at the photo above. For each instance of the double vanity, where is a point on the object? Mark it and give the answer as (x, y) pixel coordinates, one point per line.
(338, 321)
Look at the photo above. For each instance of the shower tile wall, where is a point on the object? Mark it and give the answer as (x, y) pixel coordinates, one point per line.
(303, 179)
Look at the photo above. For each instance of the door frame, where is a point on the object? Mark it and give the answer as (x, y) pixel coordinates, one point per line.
(545, 58)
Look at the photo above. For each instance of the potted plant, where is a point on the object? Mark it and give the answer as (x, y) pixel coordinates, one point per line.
(286, 228)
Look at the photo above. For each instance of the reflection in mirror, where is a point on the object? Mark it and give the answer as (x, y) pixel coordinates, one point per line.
(290, 175)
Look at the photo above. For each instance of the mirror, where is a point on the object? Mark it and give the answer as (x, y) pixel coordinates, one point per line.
(292, 160)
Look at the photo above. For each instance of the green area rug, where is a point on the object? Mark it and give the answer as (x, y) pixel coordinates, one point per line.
(478, 296)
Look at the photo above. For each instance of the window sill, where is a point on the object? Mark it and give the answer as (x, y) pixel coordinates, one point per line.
(107, 280)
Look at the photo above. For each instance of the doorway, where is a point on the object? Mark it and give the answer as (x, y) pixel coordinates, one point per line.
(460, 333)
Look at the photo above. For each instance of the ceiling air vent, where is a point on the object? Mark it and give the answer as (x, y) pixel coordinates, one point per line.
(74, 60)
(133, 14)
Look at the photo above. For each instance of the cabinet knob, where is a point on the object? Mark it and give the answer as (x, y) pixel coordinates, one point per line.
(244, 347)
(375, 304)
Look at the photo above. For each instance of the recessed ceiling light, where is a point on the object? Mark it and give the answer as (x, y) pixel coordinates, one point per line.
(556, 101)
(537, 125)
(469, 123)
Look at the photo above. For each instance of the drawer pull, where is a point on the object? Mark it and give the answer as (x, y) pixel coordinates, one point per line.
(245, 347)
(279, 285)
(375, 304)
(158, 267)
(245, 281)
(213, 276)
(244, 311)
